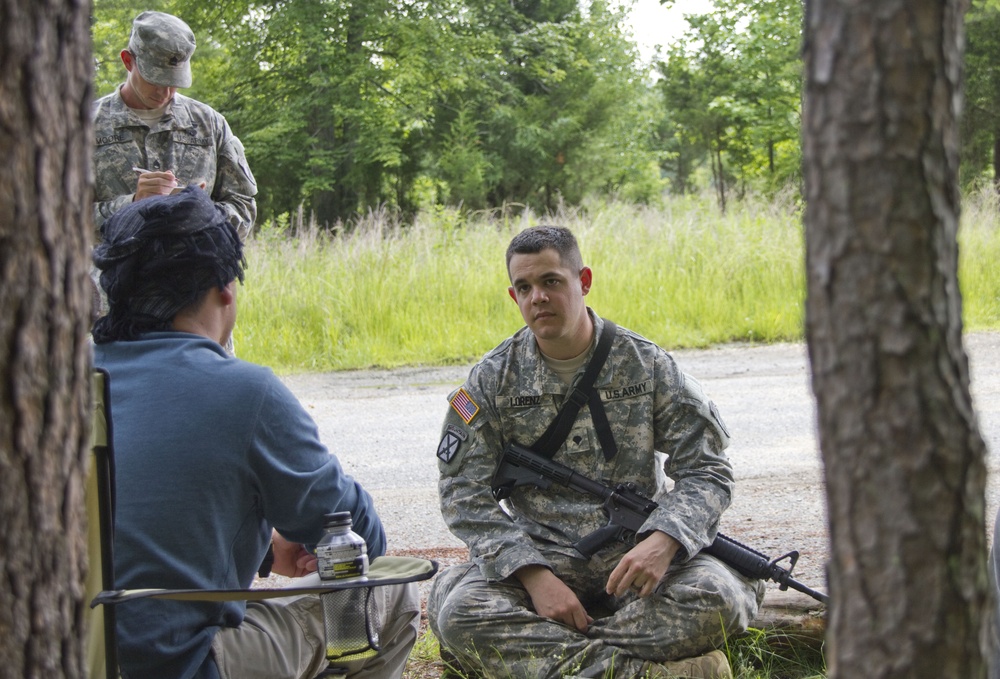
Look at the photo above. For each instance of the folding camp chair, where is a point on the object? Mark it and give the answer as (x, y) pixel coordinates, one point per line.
(102, 653)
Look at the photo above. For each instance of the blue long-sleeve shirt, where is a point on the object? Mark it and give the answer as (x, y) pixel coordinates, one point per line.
(211, 452)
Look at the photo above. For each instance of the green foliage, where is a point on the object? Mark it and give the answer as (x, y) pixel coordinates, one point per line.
(731, 92)
(557, 105)
(979, 251)
(379, 295)
(688, 275)
(347, 107)
(682, 274)
(981, 120)
(766, 654)
(462, 165)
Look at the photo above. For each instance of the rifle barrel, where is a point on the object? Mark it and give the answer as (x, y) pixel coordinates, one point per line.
(805, 589)
(753, 564)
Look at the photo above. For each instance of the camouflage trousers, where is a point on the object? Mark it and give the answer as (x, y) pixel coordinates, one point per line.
(491, 628)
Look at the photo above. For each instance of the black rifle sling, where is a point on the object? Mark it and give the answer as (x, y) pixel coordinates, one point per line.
(584, 392)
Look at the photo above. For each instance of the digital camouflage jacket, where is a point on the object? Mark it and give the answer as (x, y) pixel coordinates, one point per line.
(511, 395)
(192, 140)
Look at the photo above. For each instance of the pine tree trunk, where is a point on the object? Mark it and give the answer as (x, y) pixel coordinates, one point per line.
(45, 227)
(903, 457)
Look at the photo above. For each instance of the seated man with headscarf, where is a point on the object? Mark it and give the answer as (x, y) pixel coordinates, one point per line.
(215, 461)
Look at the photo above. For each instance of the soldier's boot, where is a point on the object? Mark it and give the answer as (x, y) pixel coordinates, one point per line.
(712, 665)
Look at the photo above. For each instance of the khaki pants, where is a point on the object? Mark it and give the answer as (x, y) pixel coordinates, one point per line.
(285, 639)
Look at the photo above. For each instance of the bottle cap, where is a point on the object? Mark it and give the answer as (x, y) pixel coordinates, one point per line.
(337, 519)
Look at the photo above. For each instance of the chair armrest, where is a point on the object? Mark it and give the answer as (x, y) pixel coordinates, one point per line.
(385, 570)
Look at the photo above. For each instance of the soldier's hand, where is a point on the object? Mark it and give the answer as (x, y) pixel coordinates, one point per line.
(154, 184)
(642, 568)
(551, 597)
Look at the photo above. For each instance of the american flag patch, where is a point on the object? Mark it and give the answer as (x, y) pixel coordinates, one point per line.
(464, 405)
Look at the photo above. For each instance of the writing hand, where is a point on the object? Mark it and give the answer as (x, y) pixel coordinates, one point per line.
(152, 183)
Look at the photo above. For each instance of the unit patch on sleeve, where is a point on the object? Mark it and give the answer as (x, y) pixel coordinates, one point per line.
(452, 439)
(464, 406)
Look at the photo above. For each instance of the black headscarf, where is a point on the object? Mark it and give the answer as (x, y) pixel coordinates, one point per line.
(159, 256)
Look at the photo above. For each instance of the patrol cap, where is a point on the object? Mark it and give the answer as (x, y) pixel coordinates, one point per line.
(162, 45)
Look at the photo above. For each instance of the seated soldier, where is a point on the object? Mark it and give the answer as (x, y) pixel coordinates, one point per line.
(523, 607)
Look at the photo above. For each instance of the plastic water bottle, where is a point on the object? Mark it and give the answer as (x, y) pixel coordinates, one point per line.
(350, 615)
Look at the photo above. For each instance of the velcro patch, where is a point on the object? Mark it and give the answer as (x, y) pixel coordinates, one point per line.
(464, 406)
(718, 418)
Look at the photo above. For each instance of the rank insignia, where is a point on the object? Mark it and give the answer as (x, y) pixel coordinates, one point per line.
(464, 405)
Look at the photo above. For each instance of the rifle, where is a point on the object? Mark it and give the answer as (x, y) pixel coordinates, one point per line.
(627, 510)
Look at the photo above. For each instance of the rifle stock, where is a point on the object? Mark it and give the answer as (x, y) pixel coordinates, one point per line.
(627, 510)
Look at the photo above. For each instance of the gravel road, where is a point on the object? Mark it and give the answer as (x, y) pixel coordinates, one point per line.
(385, 426)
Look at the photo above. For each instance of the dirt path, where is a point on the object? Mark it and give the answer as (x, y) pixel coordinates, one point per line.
(385, 426)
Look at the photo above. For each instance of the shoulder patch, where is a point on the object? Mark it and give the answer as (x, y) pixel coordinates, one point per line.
(464, 406)
(449, 445)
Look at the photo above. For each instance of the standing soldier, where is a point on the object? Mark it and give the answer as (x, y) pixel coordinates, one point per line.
(151, 141)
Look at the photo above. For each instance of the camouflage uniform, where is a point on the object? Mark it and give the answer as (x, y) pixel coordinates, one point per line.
(483, 615)
(192, 140)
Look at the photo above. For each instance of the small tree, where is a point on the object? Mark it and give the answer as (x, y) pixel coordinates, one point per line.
(903, 457)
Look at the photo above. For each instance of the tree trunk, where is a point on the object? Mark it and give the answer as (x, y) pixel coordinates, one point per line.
(721, 175)
(996, 160)
(903, 457)
(45, 227)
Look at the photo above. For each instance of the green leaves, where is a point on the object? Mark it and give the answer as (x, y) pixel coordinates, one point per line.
(345, 105)
(731, 89)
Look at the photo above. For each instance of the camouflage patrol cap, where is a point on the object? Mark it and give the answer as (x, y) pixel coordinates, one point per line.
(162, 45)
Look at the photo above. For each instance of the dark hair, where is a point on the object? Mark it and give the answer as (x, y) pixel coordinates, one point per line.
(537, 238)
(160, 256)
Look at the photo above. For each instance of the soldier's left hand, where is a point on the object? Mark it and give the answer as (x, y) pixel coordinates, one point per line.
(642, 568)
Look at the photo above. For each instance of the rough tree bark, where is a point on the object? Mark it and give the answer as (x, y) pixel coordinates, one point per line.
(45, 199)
(903, 457)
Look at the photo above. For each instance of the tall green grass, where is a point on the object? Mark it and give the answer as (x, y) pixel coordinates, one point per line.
(979, 260)
(435, 292)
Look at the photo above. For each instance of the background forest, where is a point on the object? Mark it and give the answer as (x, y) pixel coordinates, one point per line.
(351, 107)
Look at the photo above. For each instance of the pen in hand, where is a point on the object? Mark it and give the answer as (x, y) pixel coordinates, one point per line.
(176, 189)
(142, 170)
